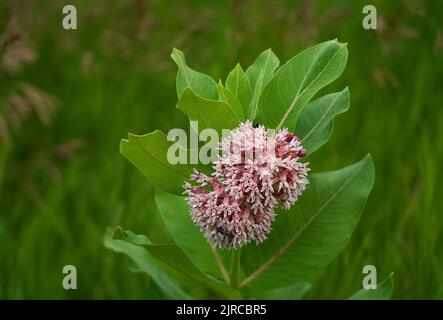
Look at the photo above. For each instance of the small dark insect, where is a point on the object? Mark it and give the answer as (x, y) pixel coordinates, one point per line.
(222, 231)
(302, 153)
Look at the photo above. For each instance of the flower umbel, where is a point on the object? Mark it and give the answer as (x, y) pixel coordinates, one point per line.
(257, 172)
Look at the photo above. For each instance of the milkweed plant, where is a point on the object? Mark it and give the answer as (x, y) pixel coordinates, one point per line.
(248, 217)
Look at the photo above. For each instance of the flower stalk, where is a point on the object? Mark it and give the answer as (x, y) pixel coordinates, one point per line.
(235, 268)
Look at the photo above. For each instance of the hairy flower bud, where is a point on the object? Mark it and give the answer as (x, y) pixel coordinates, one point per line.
(257, 172)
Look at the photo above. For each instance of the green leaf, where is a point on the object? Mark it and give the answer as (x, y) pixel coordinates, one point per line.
(238, 83)
(259, 75)
(317, 119)
(314, 231)
(213, 114)
(5, 14)
(149, 154)
(129, 236)
(383, 292)
(294, 292)
(297, 81)
(145, 262)
(173, 257)
(200, 83)
(175, 212)
(227, 96)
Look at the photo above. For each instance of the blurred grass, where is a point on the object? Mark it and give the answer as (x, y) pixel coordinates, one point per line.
(64, 182)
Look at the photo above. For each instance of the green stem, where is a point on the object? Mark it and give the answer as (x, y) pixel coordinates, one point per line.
(235, 268)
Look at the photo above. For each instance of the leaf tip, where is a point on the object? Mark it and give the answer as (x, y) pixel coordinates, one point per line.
(347, 93)
(177, 55)
(273, 55)
(122, 144)
(130, 136)
(341, 44)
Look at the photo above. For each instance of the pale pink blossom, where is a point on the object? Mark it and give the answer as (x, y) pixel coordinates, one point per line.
(256, 172)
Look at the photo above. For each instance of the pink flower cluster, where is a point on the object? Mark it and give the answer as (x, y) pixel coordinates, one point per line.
(256, 172)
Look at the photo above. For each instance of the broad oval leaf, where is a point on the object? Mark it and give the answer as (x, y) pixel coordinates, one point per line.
(200, 83)
(227, 96)
(314, 231)
(175, 213)
(383, 292)
(238, 83)
(316, 121)
(296, 82)
(145, 262)
(149, 154)
(212, 114)
(259, 75)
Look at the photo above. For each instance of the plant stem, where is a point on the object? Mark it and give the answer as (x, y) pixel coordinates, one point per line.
(221, 266)
(235, 268)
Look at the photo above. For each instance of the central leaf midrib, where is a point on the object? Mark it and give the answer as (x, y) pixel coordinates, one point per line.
(321, 119)
(260, 77)
(237, 82)
(255, 97)
(298, 94)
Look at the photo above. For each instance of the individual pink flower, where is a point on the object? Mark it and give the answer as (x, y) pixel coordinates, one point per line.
(256, 172)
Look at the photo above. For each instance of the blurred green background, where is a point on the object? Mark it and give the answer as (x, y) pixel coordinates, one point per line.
(68, 96)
